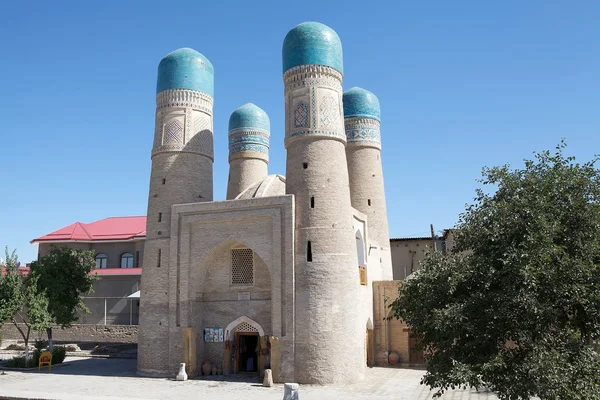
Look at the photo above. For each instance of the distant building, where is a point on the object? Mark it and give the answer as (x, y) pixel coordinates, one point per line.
(118, 245)
(408, 253)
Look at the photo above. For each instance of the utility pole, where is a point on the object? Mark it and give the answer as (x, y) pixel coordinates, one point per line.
(433, 237)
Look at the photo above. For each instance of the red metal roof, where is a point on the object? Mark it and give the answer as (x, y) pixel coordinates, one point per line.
(118, 271)
(103, 271)
(115, 228)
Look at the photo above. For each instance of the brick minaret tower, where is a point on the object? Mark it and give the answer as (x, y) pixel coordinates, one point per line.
(329, 333)
(361, 117)
(182, 172)
(249, 128)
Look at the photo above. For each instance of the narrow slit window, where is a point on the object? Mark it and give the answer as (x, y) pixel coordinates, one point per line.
(369, 201)
(304, 165)
(159, 217)
(164, 181)
(159, 257)
(312, 202)
(309, 252)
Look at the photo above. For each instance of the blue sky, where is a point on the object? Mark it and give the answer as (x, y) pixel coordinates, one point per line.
(462, 84)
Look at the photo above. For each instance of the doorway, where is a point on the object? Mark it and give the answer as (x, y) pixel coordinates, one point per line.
(247, 351)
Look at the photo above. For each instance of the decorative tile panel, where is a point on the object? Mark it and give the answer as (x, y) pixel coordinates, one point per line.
(301, 115)
(363, 132)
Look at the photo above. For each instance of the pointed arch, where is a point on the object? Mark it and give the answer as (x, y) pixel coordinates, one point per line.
(243, 319)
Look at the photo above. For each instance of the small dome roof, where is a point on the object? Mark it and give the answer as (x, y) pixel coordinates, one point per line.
(312, 43)
(359, 102)
(272, 185)
(186, 69)
(249, 116)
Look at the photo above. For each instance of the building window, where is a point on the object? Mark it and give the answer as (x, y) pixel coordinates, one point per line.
(242, 267)
(127, 260)
(137, 259)
(101, 260)
(309, 252)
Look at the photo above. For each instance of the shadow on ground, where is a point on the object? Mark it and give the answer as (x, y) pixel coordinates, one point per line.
(92, 367)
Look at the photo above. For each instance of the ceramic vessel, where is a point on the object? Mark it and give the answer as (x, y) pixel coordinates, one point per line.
(206, 367)
(393, 358)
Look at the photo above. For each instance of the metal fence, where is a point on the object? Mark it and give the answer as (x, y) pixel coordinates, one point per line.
(111, 311)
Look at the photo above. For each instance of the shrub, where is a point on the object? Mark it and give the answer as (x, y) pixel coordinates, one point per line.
(19, 362)
(40, 344)
(58, 354)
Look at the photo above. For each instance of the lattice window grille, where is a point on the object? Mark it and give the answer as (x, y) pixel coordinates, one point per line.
(245, 327)
(242, 267)
(301, 116)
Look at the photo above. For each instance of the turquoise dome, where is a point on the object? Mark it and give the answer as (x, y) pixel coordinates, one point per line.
(312, 43)
(360, 103)
(186, 69)
(249, 116)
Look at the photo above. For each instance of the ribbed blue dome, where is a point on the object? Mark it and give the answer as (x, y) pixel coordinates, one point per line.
(186, 69)
(360, 103)
(249, 116)
(312, 43)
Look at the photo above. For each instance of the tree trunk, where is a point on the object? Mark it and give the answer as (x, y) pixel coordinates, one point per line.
(49, 332)
(25, 336)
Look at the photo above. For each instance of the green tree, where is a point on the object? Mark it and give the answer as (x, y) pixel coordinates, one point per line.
(65, 275)
(21, 301)
(515, 307)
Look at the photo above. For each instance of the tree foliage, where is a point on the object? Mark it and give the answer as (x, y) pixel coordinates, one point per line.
(65, 275)
(21, 300)
(515, 307)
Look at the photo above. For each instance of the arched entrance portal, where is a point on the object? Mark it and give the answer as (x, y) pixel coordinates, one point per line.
(244, 339)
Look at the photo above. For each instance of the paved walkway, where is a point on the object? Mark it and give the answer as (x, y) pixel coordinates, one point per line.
(94, 379)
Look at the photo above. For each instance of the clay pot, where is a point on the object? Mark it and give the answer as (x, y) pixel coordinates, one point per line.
(393, 358)
(214, 369)
(206, 367)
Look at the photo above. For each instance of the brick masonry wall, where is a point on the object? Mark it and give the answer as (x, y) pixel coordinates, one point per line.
(80, 333)
(392, 335)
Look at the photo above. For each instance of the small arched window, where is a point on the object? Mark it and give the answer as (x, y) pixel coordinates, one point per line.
(127, 260)
(101, 260)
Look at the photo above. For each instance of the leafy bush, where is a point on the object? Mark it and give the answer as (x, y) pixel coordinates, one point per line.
(19, 362)
(58, 354)
(40, 344)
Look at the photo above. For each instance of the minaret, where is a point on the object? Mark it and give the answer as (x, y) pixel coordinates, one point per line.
(361, 117)
(182, 172)
(329, 335)
(249, 129)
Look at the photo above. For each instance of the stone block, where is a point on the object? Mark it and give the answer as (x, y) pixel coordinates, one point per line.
(291, 391)
(268, 381)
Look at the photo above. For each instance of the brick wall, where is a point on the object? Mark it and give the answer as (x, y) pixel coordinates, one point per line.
(392, 335)
(80, 333)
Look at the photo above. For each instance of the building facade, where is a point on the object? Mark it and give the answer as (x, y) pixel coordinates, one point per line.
(280, 274)
(118, 246)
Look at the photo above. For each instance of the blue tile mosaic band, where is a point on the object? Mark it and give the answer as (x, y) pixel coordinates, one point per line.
(238, 148)
(235, 139)
(360, 103)
(312, 43)
(186, 69)
(249, 116)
